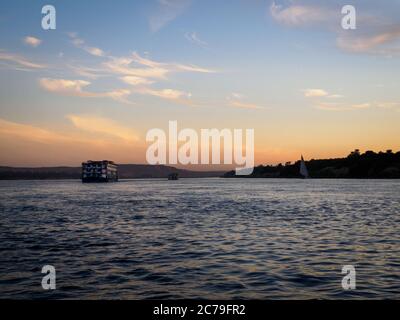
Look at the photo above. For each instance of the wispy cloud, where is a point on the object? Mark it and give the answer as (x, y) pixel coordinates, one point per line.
(31, 133)
(389, 105)
(137, 71)
(131, 66)
(236, 100)
(310, 93)
(322, 99)
(378, 42)
(95, 51)
(176, 96)
(320, 93)
(166, 12)
(333, 106)
(76, 88)
(19, 62)
(245, 105)
(135, 81)
(194, 38)
(69, 87)
(88, 72)
(91, 124)
(379, 34)
(80, 43)
(190, 68)
(100, 125)
(335, 96)
(236, 95)
(297, 14)
(140, 67)
(32, 41)
(141, 73)
(330, 106)
(119, 95)
(169, 94)
(87, 138)
(360, 106)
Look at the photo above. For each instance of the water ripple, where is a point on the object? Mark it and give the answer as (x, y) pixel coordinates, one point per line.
(200, 238)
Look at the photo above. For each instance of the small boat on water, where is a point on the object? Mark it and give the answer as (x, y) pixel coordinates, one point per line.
(303, 169)
(173, 176)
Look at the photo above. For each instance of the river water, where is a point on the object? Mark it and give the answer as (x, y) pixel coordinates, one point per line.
(200, 238)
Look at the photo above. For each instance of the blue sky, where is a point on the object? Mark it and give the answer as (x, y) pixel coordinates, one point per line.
(285, 68)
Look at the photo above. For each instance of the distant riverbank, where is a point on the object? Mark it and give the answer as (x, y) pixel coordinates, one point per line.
(126, 171)
(369, 165)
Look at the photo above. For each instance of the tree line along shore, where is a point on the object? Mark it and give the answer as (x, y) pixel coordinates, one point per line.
(357, 165)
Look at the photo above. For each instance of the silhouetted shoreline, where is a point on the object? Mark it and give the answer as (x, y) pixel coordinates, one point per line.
(126, 171)
(369, 165)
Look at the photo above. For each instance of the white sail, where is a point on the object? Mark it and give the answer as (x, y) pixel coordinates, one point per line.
(303, 168)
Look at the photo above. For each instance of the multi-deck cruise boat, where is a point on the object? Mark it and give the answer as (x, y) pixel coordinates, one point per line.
(173, 176)
(99, 171)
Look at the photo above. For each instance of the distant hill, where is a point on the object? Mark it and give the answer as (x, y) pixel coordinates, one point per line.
(369, 165)
(126, 171)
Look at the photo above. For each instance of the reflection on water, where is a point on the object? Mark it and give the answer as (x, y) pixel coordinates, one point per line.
(200, 238)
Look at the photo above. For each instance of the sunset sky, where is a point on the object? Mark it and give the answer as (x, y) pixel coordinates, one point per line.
(112, 70)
